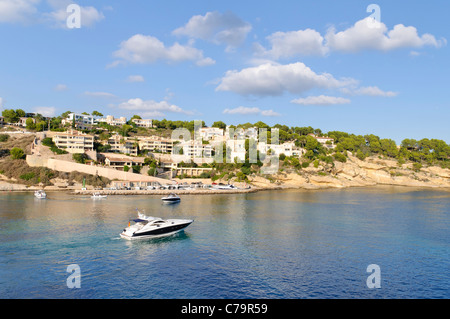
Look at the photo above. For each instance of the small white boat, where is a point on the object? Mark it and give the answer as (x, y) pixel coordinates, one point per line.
(98, 196)
(153, 227)
(223, 186)
(40, 194)
(171, 199)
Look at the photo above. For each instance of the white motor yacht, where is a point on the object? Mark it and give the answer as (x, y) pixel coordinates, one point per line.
(40, 194)
(171, 199)
(98, 196)
(223, 186)
(153, 227)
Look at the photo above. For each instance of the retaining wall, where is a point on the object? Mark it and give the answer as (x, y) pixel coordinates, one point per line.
(110, 173)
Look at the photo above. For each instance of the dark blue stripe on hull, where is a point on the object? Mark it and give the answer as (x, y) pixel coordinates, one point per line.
(163, 230)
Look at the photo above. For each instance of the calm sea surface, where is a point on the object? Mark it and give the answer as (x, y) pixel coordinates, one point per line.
(272, 244)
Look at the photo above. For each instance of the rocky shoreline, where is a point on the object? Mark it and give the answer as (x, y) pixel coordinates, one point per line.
(357, 173)
(354, 173)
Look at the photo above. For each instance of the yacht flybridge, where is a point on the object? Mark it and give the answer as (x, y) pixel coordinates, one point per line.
(153, 227)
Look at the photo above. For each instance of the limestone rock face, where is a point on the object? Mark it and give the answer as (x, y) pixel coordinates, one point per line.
(354, 172)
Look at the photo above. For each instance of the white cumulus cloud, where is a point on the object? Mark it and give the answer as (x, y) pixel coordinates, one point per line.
(100, 94)
(293, 43)
(145, 49)
(12, 11)
(88, 17)
(219, 28)
(369, 90)
(321, 100)
(273, 79)
(365, 34)
(60, 87)
(48, 111)
(368, 34)
(135, 78)
(242, 110)
(151, 108)
(29, 12)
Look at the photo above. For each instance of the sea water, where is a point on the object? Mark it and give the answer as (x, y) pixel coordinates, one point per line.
(270, 244)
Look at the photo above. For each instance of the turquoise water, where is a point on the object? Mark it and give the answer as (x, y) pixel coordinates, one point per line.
(274, 244)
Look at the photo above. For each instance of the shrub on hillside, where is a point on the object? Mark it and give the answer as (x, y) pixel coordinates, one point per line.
(4, 137)
(17, 153)
(80, 158)
(47, 142)
(340, 157)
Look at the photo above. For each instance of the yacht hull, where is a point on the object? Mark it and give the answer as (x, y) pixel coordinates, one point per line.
(156, 233)
(171, 200)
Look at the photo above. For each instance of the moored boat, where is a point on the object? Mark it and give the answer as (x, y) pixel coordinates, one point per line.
(153, 227)
(224, 186)
(40, 194)
(171, 199)
(98, 196)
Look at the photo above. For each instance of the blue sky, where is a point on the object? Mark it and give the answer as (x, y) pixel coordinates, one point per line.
(325, 64)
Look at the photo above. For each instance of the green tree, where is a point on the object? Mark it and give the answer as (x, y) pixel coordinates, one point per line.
(10, 116)
(389, 147)
(219, 124)
(65, 114)
(41, 126)
(360, 155)
(283, 136)
(312, 145)
(30, 124)
(20, 113)
(151, 171)
(96, 113)
(337, 135)
(125, 129)
(104, 136)
(374, 143)
(409, 144)
(55, 123)
(303, 130)
(261, 124)
(340, 157)
(38, 117)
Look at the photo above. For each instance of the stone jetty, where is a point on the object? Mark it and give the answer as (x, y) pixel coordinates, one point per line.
(196, 191)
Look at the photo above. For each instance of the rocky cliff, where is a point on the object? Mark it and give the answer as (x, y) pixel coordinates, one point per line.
(370, 172)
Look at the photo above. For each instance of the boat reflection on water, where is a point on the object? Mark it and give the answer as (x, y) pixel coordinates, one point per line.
(158, 241)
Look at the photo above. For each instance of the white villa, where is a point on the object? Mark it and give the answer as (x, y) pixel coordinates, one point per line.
(288, 149)
(241, 133)
(123, 145)
(111, 120)
(237, 149)
(325, 141)
(210, 133)
(142, 123)
(74, 142)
